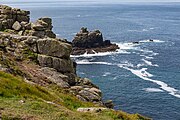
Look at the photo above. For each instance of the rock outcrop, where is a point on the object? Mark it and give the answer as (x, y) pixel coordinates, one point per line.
(24, 41)
(8, 16)
(17, 21)
(91, 42)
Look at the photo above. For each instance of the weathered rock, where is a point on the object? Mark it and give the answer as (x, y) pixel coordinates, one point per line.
(56, 77)
(81, 98)
(38, 27)
(71, 77)
(10, 15)
(45, 61)
(40, 34)
(86, 39)
(50, 34)
(95, 90)
(61, 65)
(21, 18)
(90, 96)
(54, 48)
(31, 40)
(91, 42)
(85, 81)
(109, 104)
(91, 109)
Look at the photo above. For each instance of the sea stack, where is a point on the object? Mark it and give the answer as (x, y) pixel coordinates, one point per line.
(91, 42)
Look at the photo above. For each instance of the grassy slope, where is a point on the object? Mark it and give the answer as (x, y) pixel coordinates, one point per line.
(20, 100)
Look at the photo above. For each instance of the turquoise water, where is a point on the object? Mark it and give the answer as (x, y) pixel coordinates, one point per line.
(143, 78)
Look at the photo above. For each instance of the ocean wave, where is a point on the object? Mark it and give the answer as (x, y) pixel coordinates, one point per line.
(153, 40)
(99, 54)
(147, 57)
(150, 63)
(153, 90)
(151, 28)
(86, 62)
(106, 74)
(143, 74)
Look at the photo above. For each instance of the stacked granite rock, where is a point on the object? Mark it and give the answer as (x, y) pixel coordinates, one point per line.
(91, 42)
(17, 21)
(8, 16)
(41, 28)
(52, 54)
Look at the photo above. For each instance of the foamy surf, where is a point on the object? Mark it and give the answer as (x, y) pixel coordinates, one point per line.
(150, 63)
(153, 90)
(143, 74)
(106, 74)
(85, 62)
(99, 54)
(151, 41)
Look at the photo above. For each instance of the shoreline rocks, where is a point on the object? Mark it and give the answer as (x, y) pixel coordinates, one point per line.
(91, 42)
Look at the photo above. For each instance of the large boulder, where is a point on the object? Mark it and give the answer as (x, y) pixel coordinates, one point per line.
(55, 48)
(17, 26)
(56, 77)
(61, 65)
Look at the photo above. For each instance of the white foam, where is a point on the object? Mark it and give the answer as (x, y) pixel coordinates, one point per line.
(140, 65)
(153, 90)
(127, 46)
(99, 54)
(147, 57)
(151, 28)
(154, 40)
(145, 30)
(106, 74)
(163, 85)
(85, 62)
(150, 63)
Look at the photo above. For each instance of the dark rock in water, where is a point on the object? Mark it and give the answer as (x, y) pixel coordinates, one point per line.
(91, 42)
(150, 40)
(135, 42)
(86, 39)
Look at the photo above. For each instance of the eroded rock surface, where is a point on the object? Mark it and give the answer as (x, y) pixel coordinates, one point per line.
(91, 42)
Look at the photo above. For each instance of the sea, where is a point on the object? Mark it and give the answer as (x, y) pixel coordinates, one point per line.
(143, 76)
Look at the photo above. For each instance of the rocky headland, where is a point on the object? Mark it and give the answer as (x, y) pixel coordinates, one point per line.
(91, 42)
(39, 63)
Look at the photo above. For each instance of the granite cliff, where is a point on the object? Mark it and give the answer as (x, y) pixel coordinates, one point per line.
(36, 68)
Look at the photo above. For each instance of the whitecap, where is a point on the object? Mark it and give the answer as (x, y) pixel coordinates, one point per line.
(150, 63)
(106, 74)
(99, 54)
(84, 62)
(151, 40)
(140, 65)
(144, 75)
(145, 30)
(151, 28)
(153, 90)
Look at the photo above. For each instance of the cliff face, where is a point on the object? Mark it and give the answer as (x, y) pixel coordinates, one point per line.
(20, 38)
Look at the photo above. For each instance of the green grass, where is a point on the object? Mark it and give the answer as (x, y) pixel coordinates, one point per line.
(13, 90)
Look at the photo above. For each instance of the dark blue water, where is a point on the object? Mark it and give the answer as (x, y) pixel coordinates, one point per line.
(143, 78)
